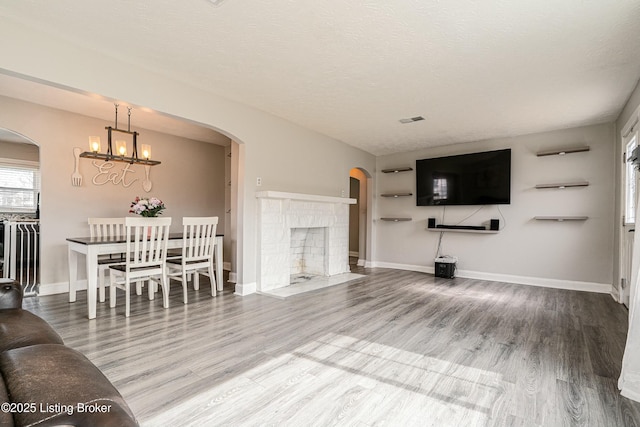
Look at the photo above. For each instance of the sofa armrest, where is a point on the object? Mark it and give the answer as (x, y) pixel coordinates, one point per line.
(10, 294)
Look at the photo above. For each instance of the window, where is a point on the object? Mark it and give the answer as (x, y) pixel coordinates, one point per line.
(630, 182)
(19, 185)
(440, 189)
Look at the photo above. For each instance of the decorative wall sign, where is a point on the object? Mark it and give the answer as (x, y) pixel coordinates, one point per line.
(106, 173)
(147, 184)
(76, 178)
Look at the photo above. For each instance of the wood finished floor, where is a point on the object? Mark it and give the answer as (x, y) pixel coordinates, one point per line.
(395, 348)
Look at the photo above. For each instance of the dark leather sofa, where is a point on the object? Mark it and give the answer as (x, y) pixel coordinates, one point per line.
(45, 383)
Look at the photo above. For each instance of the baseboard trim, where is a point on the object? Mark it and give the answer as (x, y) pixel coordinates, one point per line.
(60, 288)
(233, 277)
(361, 263)
(63, 287)
(250, 288)
(409, 267)
(354, 253)
(629, 393)
(573, 285)
(244, 289)
(601, 288)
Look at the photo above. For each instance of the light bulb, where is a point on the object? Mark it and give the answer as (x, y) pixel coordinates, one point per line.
(94, 144)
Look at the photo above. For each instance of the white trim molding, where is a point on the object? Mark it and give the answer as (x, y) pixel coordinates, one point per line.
(60, 288)
(244, 289)
(601, 288)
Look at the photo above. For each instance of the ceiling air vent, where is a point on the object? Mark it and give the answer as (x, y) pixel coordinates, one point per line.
(411, 119)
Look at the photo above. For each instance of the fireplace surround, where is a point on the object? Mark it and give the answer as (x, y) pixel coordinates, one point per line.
(280, 215)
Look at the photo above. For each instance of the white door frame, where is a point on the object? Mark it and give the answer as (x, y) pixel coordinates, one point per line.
(628, 134)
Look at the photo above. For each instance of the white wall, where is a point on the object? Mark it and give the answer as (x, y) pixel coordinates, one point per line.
(565, 254)
(629, 108)
(190, 179)
(19, 151)
(287, 157)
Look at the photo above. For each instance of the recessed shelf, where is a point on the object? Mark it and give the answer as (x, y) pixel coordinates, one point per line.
(563, 185)
(396, 170)
(395, 219)
(396, 195)
(562, 151)
(459, 230)
(561, 218)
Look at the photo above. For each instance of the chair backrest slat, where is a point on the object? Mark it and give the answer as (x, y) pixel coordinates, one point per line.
(147, 240)
(106, 228)
(198, 237)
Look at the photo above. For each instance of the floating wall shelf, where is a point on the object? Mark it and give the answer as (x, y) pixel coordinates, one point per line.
(396, 170)
(562, 152)
(561, 218)
(395, 219)
(563, 185)
(396, 195)
(460, 230)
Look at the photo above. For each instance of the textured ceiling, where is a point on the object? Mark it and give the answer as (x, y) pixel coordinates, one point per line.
(352, 69)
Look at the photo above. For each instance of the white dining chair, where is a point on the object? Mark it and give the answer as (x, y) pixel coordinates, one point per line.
(145, 257)
(198, 243)
(106, 228)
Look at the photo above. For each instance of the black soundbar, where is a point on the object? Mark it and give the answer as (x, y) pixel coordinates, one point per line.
(461, 227)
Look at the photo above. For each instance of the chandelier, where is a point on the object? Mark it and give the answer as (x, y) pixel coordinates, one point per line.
(121, 151)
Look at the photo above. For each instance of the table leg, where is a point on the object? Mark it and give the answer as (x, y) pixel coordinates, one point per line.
(219, 262)
(92, 281)
(73, 274)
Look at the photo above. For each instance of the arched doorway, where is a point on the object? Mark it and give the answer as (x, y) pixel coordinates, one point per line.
(20, 210)
(360, 217)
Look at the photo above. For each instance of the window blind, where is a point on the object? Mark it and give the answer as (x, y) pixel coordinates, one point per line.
(19, 185)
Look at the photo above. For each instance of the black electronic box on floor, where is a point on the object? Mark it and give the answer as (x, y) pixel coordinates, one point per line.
(445, 267)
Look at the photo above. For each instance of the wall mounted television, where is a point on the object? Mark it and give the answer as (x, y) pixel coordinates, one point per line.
(467, 179)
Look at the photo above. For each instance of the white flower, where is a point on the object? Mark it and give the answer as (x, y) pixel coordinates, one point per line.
(147, 207)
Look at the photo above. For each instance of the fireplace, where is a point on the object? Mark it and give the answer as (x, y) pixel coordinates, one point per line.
(307, 251)
(301, 234)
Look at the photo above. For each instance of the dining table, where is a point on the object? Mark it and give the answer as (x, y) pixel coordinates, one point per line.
(93, 247)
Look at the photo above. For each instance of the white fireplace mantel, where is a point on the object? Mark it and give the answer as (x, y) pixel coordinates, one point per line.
(279, 213)
(305, 197)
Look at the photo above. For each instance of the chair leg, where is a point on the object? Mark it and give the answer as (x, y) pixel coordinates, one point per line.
(139, 287)
(101, 284)
(151, 289)
(112, 290)
(184, 286)
(165, 289)
(196, 280)
(212, 279)
(127, 297)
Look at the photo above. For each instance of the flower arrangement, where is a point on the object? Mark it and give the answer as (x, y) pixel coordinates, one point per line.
(150, 207)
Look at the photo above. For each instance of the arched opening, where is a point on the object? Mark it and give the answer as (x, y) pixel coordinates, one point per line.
(360, 217)
(180, 143)
(20, 210)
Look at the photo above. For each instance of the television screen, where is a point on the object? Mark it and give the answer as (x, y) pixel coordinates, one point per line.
(467, 179)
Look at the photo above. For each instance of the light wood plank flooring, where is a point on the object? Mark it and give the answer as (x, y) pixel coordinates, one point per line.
(395, 348)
